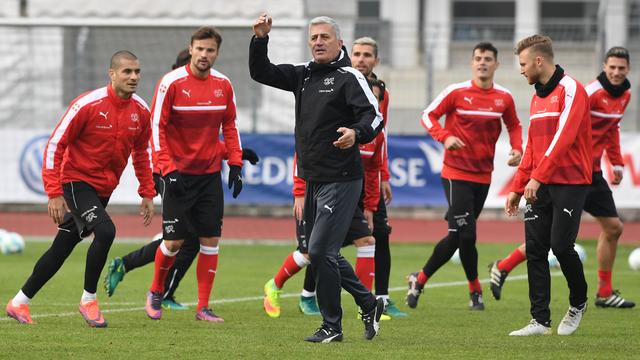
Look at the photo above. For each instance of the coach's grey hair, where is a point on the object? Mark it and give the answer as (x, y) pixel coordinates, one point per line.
(366, 40)
(326, 20)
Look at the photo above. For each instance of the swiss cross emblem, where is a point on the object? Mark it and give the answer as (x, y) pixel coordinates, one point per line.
(75, 107)
(218, 93)
(163, 88)
(135, 117)
(499, 102)
(328, 81)
(554, 99)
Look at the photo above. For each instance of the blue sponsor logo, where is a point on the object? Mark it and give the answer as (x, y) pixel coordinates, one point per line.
(31, 163)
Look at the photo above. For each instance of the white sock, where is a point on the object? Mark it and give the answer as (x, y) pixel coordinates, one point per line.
(306, 293)
(20, 299)
(87, 296)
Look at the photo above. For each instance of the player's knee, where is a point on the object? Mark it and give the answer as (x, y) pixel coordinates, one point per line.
(105, 232)
(364, 241)
(174, 245)
(614, 230)
(562, 250)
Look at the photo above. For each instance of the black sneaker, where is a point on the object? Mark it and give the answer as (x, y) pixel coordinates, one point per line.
(371, 319)
(614, 301)
(497, 279)
(324, 334)
(475, 301)
(415, 289)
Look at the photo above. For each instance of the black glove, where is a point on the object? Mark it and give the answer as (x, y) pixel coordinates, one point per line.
(174, 183)
(250, 155)
(235, 179)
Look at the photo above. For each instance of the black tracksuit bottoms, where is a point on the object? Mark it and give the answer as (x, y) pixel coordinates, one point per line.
(552, 222)
(329, 209)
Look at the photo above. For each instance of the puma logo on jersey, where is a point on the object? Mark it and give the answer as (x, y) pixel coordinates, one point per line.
(104, 114)
(468, 99)
(187, 92)
(329, 208)
(567, 211)
(172, 180)
(605, 101)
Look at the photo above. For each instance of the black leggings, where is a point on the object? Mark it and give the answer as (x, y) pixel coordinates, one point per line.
(63, 244)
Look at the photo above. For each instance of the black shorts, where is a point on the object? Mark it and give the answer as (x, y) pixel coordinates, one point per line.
(199, 210)
(357, 229)
(87, 208)
(465, 198)
(599, 202)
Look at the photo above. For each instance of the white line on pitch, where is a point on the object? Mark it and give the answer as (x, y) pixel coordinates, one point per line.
(257, 298)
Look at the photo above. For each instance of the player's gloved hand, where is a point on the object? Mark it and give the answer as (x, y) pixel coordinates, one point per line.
(235, 179)
(250, 155)
(174, 183)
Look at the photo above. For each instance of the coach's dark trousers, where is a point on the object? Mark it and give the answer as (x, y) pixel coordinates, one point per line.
(552, 222)
(329, 208)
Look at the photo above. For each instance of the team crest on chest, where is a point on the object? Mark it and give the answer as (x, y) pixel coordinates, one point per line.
(554, 99)
(499, 102)
(135, 117)
(218, 93)
(328, 81)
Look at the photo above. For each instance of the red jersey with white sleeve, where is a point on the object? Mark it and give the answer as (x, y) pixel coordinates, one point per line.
(473, 114)
(559, 143)
(186, 116)
(93, 141)
(372, 160)
(384, 110)
(606, 113)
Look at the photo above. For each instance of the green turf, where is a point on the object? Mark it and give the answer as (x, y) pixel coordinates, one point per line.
(441, 326)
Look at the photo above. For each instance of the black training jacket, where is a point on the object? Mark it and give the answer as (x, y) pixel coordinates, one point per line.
(328, 96)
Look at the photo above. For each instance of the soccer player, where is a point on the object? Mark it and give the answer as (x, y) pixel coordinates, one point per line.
(474, 110)
(608, 98)
(335, 110)
(359, 233)
(190, 106)
(118, 267)
(554, 178)
(83, 162)
(364, 57)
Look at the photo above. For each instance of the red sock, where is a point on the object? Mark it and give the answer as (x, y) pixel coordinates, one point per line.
(422, 278)
(205, 273)
(474, 286)
(507, 264)
(163, 263)
(366, 265)
(291, 265)
(604, 283)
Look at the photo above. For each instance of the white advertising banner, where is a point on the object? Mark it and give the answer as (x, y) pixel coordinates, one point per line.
(21, 154)
(21, 157)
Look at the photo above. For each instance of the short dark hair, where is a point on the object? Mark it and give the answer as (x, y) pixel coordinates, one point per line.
(379, 84)
(619, 52)
(182, 59)
(207, 32)
(119, 55)
(485, 46)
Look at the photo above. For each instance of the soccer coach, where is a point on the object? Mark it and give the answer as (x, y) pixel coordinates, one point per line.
(335, 110)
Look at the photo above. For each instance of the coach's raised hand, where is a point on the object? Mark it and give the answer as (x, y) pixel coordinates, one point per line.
(262, 26)
(57, 208)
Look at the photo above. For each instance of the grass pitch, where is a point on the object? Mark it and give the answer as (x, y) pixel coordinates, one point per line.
(441, 327)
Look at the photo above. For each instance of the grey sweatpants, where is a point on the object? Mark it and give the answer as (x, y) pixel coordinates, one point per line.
(328, 210)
